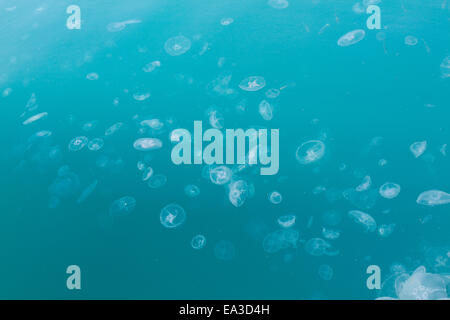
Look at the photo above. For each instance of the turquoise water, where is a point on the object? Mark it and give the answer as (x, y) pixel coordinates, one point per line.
(367, 103)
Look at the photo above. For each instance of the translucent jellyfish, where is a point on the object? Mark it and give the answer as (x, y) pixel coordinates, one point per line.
(253, 83)
(351, 38)
(147, 144)
(445, 67)
(317, 247)
(220, 175)
(272, 93)
(411, 40)
(358, 8)
(280, 239)
(122, 206)
(318, 190)
(96, 144)
(418, 148)
(363, 219)
(177, 45)
(34, 118)
(224, 250)
(310, 151)
(330, 234)
(275, 197)
(87, 191)
(226, 21)
(172, 216)
(365, 184)
(325, 272)
(421, 286)
(278, 4)
(89, 126)
(78, 143)
(389, 190)
(147, 173)
(157, 181)
(119, 26)
(266, 110)
(191, 190)
(238, 192)
(114, 128)
(385, 230)
(215, 118)
(141, 96)
(151, 66)
(92, 76)
(198, 242)
(286, 221)
(433, 198)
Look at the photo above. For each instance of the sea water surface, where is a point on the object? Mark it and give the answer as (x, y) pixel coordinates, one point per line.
(87, 131)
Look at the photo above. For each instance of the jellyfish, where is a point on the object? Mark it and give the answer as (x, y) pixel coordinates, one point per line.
(122, 206)
(198, 242)
(96, 144)
(351, 38)
(275, 197)
(411, 40)
(363, 219)
(252, 83)
(147, 144)
(389, 190)
(310, 151)
(418, 148)
(265, 110)
(325, 272)
(78, 143)
(157, 181)
(34, 118)
(220, 175)
(433, 198)
(191, 190)
(286, 221)
(172, 216)
(177, 45)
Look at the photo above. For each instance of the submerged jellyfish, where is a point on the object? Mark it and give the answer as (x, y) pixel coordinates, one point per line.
(119, 26)
(34, 118)
(266, 110)
(147, 173)
(389, 190)
(351, 38)
(192, 190)
(330, 234)
(96, 144)
(275, 197)
(220, 175)
(272, 93)
(253, 83)
(238, 192)
(114, 128)
(411, 40)
(151, 66)
(365, 220)
(146, 144)
(172, 216)
(278, 4)
(77, 143)
(325, 272)
(445, 67)
(224, 250)
(280, 239)
(365, 184)
(310, 151)
(92, 76)
(87, 191)
(421, 286)
(418, 148)
(122, 206)
(226, 21)
(157, 181)
(286, 221)
(198, 242)
(433, 198)
(317, 247)
(177, 45)
(141, 96)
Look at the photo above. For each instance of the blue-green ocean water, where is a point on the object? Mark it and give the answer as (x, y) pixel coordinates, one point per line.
(366, 102)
